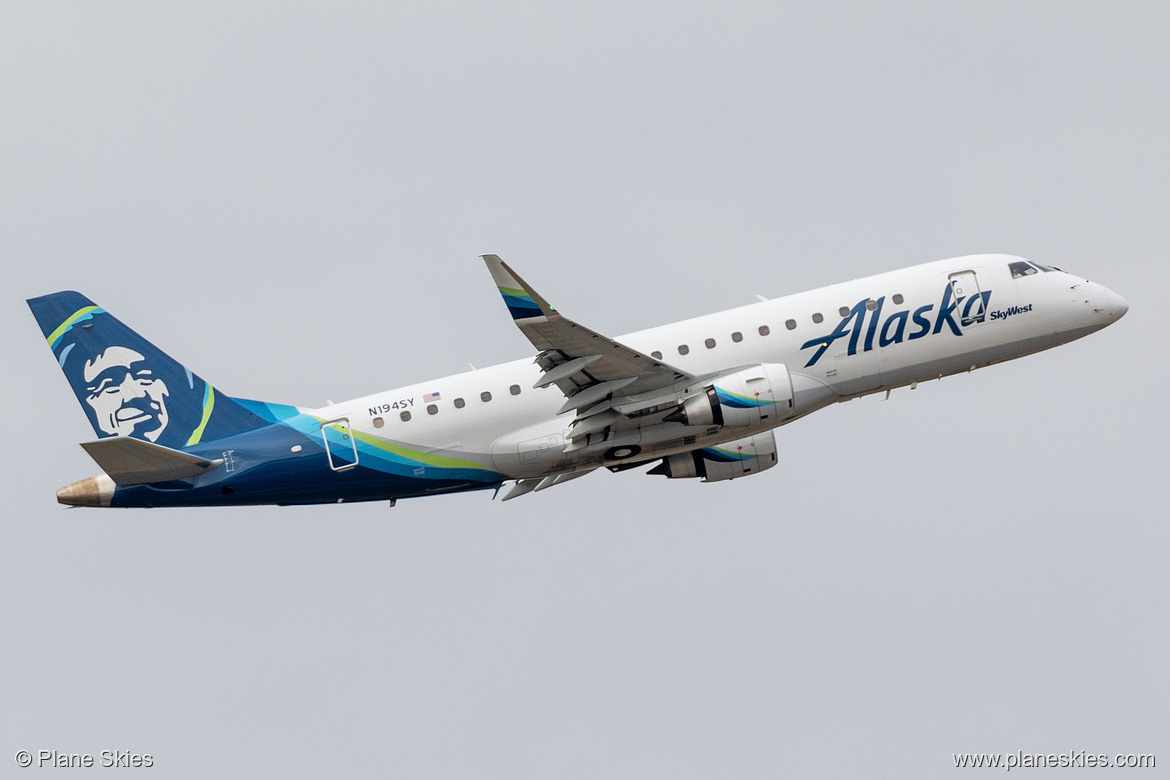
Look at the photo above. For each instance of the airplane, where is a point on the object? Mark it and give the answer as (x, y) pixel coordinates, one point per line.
(697, 399)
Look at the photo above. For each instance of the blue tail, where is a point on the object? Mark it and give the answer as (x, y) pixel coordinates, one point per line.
(126, 385)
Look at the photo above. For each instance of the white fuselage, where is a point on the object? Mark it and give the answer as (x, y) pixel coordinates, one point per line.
(892, 330)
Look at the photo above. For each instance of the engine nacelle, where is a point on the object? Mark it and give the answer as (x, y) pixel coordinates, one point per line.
(738, 458)
(746, 398)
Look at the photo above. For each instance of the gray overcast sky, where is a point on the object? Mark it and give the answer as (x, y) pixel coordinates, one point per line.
(290, 198)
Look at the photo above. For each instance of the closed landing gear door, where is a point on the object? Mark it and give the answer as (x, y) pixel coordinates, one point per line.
(544, 450)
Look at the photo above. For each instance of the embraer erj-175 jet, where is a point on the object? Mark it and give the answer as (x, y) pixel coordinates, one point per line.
(698, 398)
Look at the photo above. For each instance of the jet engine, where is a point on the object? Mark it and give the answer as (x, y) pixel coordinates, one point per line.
(733, 459)
(748, 397)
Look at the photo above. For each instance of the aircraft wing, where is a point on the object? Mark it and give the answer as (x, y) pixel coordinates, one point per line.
(610, 385)
(573, 357)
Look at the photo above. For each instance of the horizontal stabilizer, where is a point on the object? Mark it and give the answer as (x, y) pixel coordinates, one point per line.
(132, 461)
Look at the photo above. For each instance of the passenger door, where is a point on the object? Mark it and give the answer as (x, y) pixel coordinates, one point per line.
(965, 288)
(340, 445)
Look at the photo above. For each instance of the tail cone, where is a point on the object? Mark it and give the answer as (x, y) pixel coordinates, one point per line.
(95, 491)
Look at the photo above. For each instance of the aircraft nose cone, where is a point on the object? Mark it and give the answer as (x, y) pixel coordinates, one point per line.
(1118, 305)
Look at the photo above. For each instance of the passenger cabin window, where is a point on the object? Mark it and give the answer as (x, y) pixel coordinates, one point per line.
(405, 416)
(843, 311)
(790, 324)
(1020, 270)
(460, 403)
(656, 355)
(737, 337)
(683, 349)
(485, 396)
(432, 409)
(871, 304)
(379, 422)
(709, 343)
(514, 389)
(765, 330)
(818, 318)
(898, 298)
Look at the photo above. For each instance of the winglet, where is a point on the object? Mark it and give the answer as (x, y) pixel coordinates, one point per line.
(523, 302)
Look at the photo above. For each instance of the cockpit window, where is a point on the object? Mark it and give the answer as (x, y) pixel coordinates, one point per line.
(1043, 267)
(1021, 269)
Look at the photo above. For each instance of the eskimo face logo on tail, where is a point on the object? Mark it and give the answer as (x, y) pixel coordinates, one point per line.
(125, 395)
(953, 313)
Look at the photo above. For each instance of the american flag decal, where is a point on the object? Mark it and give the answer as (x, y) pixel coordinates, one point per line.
(430, 397)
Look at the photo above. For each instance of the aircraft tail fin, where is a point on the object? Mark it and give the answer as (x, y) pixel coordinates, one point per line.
(126, 385)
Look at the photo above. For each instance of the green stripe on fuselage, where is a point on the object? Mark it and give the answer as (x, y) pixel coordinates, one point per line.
(425, 458)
